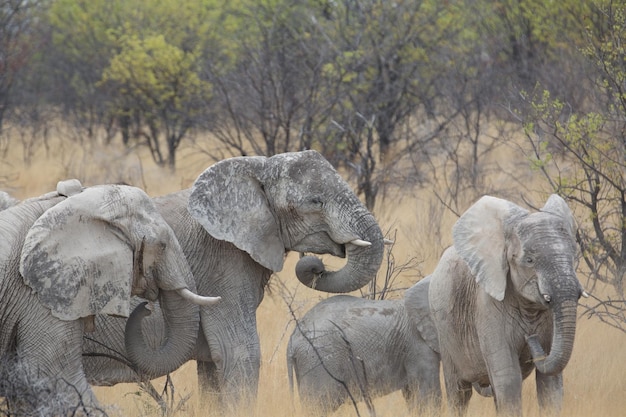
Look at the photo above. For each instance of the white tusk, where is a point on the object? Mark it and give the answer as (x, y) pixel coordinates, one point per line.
(388, 242)
(198, 299)
(359, 242)
(585, 294)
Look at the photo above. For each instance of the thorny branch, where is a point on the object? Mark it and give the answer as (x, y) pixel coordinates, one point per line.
(392, 272)
(611, 312)
(319, 356)
(165, 399)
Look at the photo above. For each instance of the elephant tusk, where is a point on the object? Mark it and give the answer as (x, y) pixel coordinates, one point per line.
(585, 294)
(359, 242)
(388, 241)
(198, 299)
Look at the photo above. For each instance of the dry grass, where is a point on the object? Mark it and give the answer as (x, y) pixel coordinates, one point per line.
(594, 379)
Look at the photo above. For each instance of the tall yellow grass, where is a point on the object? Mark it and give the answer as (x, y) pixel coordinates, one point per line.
(595, 379)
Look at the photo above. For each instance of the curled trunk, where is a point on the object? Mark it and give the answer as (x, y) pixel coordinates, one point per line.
(361, 267)
(564, 329)
(181, 330)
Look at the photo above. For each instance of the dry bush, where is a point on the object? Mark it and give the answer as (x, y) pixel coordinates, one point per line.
(25, 394)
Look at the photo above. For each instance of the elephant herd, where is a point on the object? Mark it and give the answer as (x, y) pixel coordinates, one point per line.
(90, 271)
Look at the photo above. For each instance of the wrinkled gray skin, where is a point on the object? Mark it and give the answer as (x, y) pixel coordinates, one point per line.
(56, 273)
(502, 295)
(235, 225)
(366, 348)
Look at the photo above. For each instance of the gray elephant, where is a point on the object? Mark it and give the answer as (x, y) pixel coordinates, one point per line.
(504, 294)
(353, 347)
(235, 225)
(74, 253)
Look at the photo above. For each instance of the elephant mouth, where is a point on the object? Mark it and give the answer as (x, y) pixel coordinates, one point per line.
(531, 292)
(320, 243)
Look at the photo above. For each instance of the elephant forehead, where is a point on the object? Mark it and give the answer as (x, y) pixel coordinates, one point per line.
(545, 232)
(307, 168)
(124, 205)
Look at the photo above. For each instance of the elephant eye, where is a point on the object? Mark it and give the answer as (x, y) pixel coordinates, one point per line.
(529, 260)
(316, 201)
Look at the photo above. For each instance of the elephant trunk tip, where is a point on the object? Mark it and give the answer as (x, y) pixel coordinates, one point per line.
(309, 269)
(141, 311)
(540, 358)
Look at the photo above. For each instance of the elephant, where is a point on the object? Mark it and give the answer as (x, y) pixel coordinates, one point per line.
(503, 295)
(71, 254)
(350, 347)
(235, 225)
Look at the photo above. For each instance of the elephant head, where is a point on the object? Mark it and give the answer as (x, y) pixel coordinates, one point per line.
(512, 252)
(91, 252)
(291, 201)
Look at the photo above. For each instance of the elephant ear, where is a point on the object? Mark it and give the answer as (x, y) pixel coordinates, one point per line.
(229, 201)
(418, 311)
(479, 238)
(557, 206)
(76, 259)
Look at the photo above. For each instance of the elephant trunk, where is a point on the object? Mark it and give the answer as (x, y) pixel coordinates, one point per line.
(181, 331)
(564, 329)
(181, 315)
(361, 267)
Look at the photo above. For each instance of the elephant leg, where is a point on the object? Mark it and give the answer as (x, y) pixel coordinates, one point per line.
(424, 398)
(320, 394)
(549, 392)
(458, 391)
(503, 368)
(505, 376)
(53, 349)
(236, 355)
(423, 390)
(207, 377)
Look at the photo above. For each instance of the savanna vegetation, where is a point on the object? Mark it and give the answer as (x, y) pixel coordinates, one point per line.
(422, 105)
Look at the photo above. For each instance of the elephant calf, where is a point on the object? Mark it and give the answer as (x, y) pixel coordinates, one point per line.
(349, 346)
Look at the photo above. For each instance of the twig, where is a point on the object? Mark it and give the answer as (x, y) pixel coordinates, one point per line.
(611, 312)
